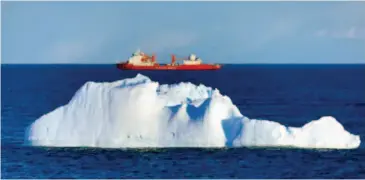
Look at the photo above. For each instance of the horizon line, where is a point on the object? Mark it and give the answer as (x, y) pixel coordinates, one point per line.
(206, 63)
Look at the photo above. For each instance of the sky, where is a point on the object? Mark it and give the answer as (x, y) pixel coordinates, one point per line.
(217, 32)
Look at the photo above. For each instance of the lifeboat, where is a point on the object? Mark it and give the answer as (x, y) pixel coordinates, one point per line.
(141, 61)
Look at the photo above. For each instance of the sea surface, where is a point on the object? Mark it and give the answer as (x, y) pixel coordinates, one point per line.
(289, 94)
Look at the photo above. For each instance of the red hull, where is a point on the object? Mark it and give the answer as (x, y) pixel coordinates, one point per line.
(124, 66)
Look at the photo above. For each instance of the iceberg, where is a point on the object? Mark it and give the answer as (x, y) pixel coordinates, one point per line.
(138, 112)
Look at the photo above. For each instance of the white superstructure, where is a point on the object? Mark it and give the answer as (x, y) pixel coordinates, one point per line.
(136, 59)
(193, 60)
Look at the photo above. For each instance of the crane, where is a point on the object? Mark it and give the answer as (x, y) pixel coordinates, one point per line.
(174, 59)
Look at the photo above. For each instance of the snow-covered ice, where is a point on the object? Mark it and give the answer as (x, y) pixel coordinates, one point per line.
(138, 112)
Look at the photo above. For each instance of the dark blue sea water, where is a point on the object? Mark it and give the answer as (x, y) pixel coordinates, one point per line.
(290, 94)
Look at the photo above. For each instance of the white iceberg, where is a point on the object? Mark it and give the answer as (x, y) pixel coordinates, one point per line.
(138, 112)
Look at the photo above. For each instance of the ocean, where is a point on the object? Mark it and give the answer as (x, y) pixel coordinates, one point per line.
(292, 95)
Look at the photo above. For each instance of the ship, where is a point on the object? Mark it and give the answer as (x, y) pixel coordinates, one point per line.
(141, 61)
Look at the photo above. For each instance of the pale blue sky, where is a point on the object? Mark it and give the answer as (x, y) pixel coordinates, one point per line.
(224, 32)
